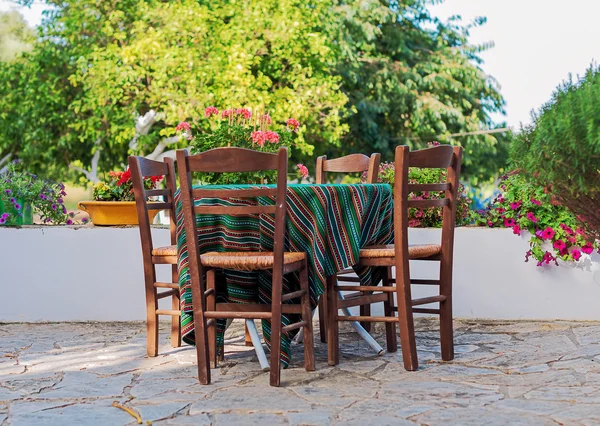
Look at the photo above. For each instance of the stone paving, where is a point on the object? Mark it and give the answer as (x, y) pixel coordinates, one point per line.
(524, 373)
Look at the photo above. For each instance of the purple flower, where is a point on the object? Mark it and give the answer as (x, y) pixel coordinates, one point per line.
(8, 191)
(42, 196)
(64, 209)
(2, 220)
(5, 215)
(60, 201)
(69, 222)
(84, 220)
(18, 206)
(72, 214)
(54, 207)
(12, 200)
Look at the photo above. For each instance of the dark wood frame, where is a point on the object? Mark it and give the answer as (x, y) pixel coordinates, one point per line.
(446, 157)
(353, 163)
(206, 310)
(141, 167)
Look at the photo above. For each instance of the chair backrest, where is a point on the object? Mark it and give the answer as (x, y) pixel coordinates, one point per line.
(353, 163)
(141, 168)
(233, 160)
(438, 157)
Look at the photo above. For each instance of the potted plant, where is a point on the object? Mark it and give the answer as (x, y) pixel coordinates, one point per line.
(242, 128)
(114, 201)
(23, 193)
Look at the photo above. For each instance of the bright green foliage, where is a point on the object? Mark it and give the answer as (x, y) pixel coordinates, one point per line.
(360, 76)
(412, 80)
(561, 149)
(554, 231)
(15, 35)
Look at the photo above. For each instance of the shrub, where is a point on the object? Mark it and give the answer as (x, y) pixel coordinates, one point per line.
(561, 149)
(555, 232)
(428, 217)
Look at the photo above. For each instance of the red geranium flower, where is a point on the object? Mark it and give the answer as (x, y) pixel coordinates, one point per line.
(125, 177)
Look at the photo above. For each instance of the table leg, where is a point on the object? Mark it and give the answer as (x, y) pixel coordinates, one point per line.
(258, 347)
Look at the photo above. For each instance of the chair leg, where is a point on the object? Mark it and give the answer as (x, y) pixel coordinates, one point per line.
(388, 308)
(323, 316)
(151, 319)
(446, 327)
(406, 322)
(211, 305)
(309, 344)
(175, 320)
(333, 345)
(365, 311)
(247, 338)
(200, 329)
(276, 302)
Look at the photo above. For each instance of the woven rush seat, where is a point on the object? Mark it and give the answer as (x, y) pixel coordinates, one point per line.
(414, 252)
(247, 261)
(165, 251)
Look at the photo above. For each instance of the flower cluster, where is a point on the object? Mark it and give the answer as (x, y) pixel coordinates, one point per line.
(430, 217)
(554, 232)
(302, 171)
(21, 193)
(119, 186)
(239, 127)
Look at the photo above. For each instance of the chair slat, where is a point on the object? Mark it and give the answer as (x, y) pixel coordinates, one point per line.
(438, 157)
(234, 193)
(152, 168)
(420, 187)
(157, 192)
(234, 210)
(229, 159)
(349, 164)
(419, 204)
(159, 206)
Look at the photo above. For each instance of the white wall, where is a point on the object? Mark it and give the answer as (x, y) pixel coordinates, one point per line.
(95, 273)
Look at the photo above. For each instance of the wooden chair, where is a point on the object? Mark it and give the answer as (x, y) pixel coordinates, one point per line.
(353, 163)
(206, 309)
(141, 167)
(398, 255)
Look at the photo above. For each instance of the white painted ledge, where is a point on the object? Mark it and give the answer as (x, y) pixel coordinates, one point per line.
(95, 273)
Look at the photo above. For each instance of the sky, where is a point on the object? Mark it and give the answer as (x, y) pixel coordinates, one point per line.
(537, 43)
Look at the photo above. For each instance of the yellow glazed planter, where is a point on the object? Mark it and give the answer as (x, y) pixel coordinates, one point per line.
(106, 213)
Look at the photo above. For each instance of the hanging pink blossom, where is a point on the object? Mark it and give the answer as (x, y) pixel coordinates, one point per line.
(587, 248)
(515, 205)
(302, 170)
(292, 124)
(536, 202)
(210, 111)
(509, 223)
(517, 229)
(259, 137)
(559, 245)
(548, 233)
(576, 254)
(531, 217)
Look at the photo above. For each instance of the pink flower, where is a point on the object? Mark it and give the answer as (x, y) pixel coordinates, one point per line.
(515, 205)
(227, 113)
(419, 213)
(587, 248)
(184, 125)
(531, 217)
(302, 170)
(266, 119)
(509, 223)
(259, 137)
(567, 229)
(536, 202)
(500, 210)
(547, 259)
(517, 229)
(548, 233)
(434, 143)
(414, 223)
(272, 137)
(576, 254)
(572, 240)
(292, 124)
(244, 112)
(560, 245)
(490, 223)
(210, 111)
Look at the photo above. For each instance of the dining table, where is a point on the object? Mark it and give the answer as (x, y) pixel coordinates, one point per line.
(328, 222)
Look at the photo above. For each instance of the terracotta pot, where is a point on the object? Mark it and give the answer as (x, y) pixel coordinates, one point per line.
(107, 213)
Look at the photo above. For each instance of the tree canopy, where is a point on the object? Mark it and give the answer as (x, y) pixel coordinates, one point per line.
(15, 35)
(359, 76)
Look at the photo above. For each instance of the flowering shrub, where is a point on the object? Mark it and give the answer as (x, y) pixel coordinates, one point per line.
(430, 217)
(20, 189)
(241, 128)
(119, 187)
(555, 232)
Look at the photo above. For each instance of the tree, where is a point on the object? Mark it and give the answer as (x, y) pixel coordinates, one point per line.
(105, 79)
(412, 79)
(15, 35)
(560, 150)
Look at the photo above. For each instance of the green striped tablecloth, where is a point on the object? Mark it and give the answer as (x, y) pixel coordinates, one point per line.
(328, 222)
